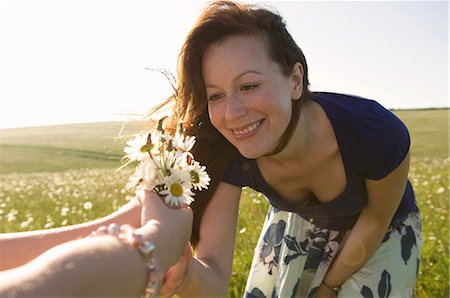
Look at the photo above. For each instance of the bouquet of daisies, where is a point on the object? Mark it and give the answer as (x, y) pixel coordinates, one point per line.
(166, 165)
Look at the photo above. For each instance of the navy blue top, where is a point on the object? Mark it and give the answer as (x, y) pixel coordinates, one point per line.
(372, 142)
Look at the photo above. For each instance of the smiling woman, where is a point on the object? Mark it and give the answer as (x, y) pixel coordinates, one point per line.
(343, 219)
(333, 167)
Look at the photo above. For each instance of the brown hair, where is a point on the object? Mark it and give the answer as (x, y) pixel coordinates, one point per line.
(219, 20)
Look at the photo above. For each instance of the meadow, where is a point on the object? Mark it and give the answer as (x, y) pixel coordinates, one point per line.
(61, 175)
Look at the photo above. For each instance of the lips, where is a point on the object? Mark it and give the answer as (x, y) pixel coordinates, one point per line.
(247, 131)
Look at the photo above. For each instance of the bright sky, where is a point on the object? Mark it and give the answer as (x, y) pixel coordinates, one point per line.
(82, 61)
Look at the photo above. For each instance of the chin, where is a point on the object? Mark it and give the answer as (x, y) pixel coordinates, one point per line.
(250, 154)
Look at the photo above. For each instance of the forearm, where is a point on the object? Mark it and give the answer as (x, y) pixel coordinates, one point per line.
(95, 267)
(360, 245)
(19, 248)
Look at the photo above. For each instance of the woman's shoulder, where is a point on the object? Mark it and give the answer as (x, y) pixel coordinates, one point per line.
(362, 113)
(344, 103)
(380, 140)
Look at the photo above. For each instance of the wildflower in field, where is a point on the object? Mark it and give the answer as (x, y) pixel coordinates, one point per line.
(65, 211)
(11, 216)
(26, 224)
(440, 190)
(256, 201)
(166, 165)
(49, 222)
(87, 206)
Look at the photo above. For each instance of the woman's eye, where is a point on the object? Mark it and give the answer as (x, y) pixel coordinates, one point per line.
(214, 97)
(249, 87)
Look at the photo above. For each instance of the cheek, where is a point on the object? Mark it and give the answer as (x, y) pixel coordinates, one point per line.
(280, 102)
(214, 117)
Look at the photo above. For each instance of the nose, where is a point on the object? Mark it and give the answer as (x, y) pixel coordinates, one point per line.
(235, 107)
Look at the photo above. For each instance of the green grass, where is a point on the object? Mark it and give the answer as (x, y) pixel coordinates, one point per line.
(429, 130)
(62, 147)
(51, 181)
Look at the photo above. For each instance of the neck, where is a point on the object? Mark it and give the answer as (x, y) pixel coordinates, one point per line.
(300, 145)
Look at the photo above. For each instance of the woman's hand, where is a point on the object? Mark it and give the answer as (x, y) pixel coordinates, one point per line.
(179, 275)
(170, 229)
(150, 202)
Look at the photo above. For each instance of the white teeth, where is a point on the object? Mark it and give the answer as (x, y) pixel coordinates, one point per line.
(247, 129)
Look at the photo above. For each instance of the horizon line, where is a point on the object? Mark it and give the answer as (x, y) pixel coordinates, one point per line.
(135, 120)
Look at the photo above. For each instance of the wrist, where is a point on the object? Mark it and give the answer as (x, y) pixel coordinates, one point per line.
(333, 288)
(133, 239)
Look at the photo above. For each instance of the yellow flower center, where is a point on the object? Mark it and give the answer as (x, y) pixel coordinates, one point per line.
(144, 148)
(195, 178)
(176, 189)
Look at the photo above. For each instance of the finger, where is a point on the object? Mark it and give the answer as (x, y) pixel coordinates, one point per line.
(187, 253)
(175, 276)
(147, 196)
(172, 279)
(178, 271)
(148, 200)
(169, 286)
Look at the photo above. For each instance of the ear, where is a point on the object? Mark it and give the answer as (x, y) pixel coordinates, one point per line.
(297, 81)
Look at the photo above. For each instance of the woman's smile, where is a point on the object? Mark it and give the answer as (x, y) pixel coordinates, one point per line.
(247, 131)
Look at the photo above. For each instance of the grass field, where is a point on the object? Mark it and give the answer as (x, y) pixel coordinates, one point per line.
(62, 147)
(61, 175)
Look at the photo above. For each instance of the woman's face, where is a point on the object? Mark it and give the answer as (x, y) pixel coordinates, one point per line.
(249, 98)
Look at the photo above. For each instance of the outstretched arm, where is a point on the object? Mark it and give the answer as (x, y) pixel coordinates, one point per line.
(90, 267)
(103, 266)
(19, 248)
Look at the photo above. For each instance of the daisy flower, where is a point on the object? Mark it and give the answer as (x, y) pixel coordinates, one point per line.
(166, 165)
(177, 189)
(183, 143)
(146, 175)
(137, 148)
(199, 177)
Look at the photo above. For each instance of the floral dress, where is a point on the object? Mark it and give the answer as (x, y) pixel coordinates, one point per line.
(293, 255)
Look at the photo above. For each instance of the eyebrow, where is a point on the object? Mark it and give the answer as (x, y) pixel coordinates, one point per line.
(236, 78)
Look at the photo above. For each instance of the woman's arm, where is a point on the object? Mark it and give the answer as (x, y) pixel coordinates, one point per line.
(209, 273)
(384, 196)
(19, 248)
